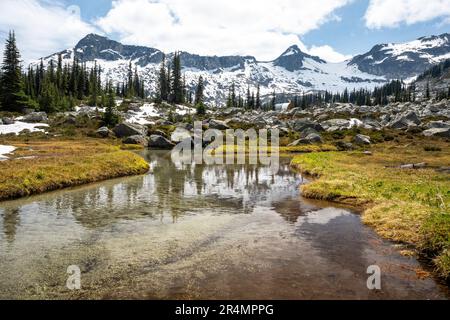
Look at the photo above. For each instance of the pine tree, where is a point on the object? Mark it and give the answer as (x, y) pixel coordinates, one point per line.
(247, 102)
(12, 97)
(110, 118)
(169, 86)
(200, 106)
(59, 74)
(176, 80)
(129, 86)
(258, 98)
(199, 91)
(233, 102)
(273, 101)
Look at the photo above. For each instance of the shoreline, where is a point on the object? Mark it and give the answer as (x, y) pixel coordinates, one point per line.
(41, 166)
(421, 228)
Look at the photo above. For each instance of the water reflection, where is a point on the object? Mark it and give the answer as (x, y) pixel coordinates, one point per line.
(194, 231)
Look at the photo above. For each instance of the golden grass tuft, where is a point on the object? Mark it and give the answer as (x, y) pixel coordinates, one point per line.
(404, 205)
(40, 166)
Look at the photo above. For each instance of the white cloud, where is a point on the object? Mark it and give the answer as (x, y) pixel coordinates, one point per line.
(327, 53)
(42, 27)
(263, 29)
(388, 13)
(254, 27)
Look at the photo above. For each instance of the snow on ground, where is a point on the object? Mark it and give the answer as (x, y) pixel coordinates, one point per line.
(141, 116)
(19, 126)
(183, 110)
(355, 123)
(4, 150)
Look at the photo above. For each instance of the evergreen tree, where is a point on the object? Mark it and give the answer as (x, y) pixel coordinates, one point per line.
(247, 102)
(233, 96)
(199, 91)
(273, 101)
(129, 87)
(110, 117)
(12, 97)
(176, 80)
(258, 98)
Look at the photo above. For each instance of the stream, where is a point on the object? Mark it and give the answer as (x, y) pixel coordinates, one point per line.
(198, 232)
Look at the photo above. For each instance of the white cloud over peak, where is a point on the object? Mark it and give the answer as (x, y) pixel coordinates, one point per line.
(327, 53)
(263, 29)
(392, 13)
(41, 27)
(221, 27)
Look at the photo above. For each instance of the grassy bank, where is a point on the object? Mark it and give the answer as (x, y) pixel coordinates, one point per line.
(307, 148)
(405, 205)
(38, 166)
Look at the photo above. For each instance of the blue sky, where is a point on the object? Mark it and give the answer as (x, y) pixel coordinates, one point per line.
(332, 29)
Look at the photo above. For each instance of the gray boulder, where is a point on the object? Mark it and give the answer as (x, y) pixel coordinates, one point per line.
(123, 130)
(162, 122)
(438, 125)
(404, 121)
(309, 139)
(184, 125)
(217, 124)
(361, 139)
(159, 142)
(7, 121)
(344, 146)
(103, 132)
(336, 124)
(35, 117)
(137, 139)
(302, 124)
(437, 132)
(180, 134)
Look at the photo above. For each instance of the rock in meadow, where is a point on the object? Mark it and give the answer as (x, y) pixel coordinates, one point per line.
(159, 142)
(123, 130)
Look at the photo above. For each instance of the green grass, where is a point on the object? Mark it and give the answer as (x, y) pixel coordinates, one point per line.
(56, 164)
(408, 206)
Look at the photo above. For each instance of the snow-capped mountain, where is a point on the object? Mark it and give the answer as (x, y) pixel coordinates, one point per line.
(404, 60)
(293, 72)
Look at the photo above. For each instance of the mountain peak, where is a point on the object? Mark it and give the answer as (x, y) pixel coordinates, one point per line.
(91, 38)
(292, 50)
(292, 59)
